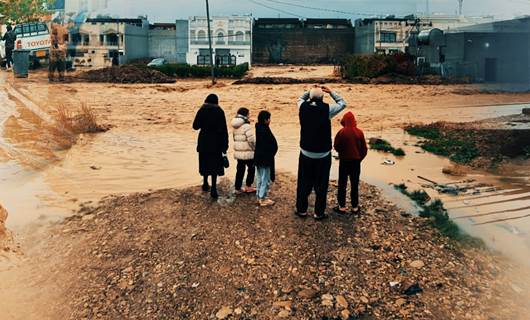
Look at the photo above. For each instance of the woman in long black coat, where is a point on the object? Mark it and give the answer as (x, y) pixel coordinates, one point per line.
(212, 143)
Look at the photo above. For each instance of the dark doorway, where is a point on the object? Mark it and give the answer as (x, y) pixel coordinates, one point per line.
(491, 70)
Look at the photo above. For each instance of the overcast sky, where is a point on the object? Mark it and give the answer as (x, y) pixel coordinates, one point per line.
(169, 10)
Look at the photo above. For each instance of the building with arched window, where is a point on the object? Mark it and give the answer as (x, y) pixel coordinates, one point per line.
(231, 40)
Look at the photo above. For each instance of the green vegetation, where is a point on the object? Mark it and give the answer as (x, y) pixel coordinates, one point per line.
(187, 71)
(376, 65)
(18, 11)
(439, 217)
(385, 146)
(446, 144)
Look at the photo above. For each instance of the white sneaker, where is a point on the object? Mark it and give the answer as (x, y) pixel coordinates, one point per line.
(266, 203)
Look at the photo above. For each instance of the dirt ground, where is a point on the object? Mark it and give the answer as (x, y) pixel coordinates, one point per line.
(174, 254)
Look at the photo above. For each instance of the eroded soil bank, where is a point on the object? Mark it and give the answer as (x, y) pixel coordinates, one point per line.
(175, 254)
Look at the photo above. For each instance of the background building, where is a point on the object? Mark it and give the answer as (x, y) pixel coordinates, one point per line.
(231, 40)
(96, 42)
(163, 41)
(385, 35)
(495, 53)
(302, 41)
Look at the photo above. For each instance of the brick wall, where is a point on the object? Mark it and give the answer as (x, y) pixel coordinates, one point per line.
(301, 46)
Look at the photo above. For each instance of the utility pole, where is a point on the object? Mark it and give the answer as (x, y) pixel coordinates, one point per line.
(210, 41)
(428, 8)
(460, 7)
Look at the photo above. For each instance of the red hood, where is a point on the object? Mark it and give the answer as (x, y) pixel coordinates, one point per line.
(348, 121)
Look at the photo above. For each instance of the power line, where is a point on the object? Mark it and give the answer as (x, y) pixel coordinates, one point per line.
(321, 9)
(276, 9)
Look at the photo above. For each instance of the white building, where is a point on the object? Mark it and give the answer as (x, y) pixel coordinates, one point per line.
(231, 40)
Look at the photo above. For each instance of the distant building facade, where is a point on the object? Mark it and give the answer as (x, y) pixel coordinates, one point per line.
(163, 41)
(496, 53)
(302, 41)
(391, 35)
(101, 42)
(385, 35)
(231, 40)
(451, 22)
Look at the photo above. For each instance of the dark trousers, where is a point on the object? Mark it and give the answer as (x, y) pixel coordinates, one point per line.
(9, 57)
(349, 169)
(313, 174)
(240, 173)
(56, 65)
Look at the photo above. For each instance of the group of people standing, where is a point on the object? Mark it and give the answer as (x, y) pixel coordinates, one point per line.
(255, 151)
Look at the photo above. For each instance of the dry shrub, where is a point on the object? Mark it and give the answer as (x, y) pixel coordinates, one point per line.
(69, 125)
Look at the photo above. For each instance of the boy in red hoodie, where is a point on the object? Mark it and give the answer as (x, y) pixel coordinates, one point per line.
(352, 149)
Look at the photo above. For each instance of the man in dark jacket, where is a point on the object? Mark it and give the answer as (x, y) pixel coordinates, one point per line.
(212, 142)
(315, 143)
(351, 146)
(9, 37)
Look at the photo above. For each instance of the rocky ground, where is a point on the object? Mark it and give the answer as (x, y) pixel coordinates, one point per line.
(175, 254)
(5, 237)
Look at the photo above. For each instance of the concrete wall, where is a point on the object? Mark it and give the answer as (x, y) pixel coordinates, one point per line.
(364, 39)
(182, 42)
(467, 53)
(163, 44)
(301, 46)
(136, 43)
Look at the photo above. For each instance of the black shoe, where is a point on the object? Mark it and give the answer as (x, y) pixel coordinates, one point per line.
(300, 214)
(214, 194)
(339, 211)
(205, 188)
(320, 217)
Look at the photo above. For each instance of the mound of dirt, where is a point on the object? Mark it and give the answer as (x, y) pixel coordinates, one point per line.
(286, 80)
(175, 254)
(125, 74)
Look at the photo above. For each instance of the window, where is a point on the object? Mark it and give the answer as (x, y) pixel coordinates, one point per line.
(220, 38)
(240, 36)
(388, 37)
(202, 35)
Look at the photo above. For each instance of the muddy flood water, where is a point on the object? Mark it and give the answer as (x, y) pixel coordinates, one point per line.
(40, 184)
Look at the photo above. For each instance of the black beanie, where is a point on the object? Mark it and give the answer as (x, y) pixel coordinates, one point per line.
(212, 99)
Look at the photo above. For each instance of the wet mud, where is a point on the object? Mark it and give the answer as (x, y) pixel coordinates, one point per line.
(151, 146)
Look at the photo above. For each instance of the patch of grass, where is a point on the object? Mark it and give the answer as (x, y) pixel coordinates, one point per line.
(385, 146)
(448, 145)
(419, 196)
(69, 125)
(439, 217)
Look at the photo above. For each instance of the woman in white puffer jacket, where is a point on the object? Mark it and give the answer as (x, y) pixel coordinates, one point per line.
(244, 145)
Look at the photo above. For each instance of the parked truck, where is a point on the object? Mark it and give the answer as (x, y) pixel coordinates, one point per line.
(33, 36)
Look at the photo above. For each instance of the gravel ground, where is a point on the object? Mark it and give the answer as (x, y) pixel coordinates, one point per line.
(175, 254)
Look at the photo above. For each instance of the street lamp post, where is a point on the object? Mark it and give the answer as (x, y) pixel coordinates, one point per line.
(210, 41)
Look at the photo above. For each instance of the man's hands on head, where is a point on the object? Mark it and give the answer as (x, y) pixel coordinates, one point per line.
(326, 89)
